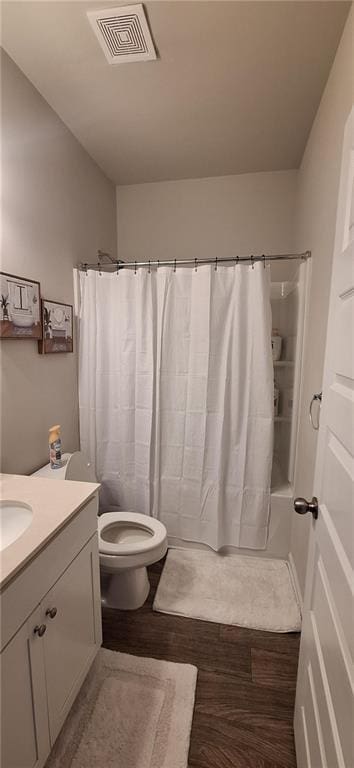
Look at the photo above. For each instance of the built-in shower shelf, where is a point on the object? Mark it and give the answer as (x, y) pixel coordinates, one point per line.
(282, 363)
(282, 418)
(283, 489)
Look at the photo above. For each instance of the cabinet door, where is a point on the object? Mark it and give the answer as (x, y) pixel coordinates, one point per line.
(24, 722)
(73, 632)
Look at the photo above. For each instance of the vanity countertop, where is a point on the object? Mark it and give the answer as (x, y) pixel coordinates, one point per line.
(53, 505)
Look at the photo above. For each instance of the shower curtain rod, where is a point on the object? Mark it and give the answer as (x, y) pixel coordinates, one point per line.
(117, 265)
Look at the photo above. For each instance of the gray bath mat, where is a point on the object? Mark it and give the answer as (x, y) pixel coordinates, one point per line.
(245, 591)
(130, 713)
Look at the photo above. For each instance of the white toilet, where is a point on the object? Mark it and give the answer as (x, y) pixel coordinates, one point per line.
(128, 541)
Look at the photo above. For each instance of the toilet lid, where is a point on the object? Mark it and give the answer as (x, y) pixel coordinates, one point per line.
(128, 533)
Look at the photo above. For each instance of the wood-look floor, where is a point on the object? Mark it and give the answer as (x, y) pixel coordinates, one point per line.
(246, 682)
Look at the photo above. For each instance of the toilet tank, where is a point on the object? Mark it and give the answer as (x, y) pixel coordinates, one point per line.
(74, 467)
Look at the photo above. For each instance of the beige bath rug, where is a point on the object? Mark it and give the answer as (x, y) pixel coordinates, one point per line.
(245, 591)
(130, 713)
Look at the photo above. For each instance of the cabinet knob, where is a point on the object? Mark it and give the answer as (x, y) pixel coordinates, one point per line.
(40, 629)
(51, 612)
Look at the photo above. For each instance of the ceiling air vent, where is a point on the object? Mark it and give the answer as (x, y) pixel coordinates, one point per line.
(123, 34)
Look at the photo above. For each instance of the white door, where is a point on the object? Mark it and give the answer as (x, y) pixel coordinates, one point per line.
(71, 611)
(324, 722)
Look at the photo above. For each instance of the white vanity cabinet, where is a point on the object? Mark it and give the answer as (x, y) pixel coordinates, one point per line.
(49, 646)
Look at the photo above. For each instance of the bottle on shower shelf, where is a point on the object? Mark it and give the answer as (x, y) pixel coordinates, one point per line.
(276, 344)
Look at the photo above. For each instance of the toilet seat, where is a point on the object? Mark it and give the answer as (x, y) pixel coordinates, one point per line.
(129, 533)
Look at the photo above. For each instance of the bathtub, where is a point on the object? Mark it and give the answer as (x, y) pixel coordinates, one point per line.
(278, 544)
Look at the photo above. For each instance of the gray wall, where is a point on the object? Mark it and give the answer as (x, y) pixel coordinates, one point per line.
(318, 183)
(58, 208)
(196, 218)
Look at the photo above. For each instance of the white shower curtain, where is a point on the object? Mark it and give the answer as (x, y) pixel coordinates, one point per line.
(116, 376)
(176, 397)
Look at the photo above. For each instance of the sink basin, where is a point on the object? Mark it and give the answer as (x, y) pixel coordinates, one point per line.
(15, 517)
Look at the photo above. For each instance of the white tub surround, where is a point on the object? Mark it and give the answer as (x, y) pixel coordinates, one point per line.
(51, 511)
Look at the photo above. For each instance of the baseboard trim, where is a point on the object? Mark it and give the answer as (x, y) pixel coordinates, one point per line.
(295, 580)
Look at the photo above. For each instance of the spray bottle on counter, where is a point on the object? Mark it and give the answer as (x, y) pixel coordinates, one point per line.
(55, 447)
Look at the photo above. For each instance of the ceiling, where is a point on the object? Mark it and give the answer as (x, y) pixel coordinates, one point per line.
(235, 87)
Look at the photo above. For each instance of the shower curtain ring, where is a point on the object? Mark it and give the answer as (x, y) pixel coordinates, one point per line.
(264, 261)
(252, 261)
(149, 268)
(117, 267)
(99, 268)
(174, 266)
(196, 265)
(134, 267)
(237, 260)
(85, 268)
(216, 263)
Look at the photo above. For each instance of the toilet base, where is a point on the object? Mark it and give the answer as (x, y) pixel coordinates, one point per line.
(126, 590)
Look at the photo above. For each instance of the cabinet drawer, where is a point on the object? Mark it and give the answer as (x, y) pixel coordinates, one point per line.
(28, 588)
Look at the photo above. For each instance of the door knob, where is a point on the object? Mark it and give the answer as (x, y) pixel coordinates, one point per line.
(51, 612)
(40, 629)
(302, 506)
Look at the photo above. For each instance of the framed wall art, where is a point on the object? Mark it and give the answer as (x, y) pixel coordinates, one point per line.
(20, 301)
(57, 320)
